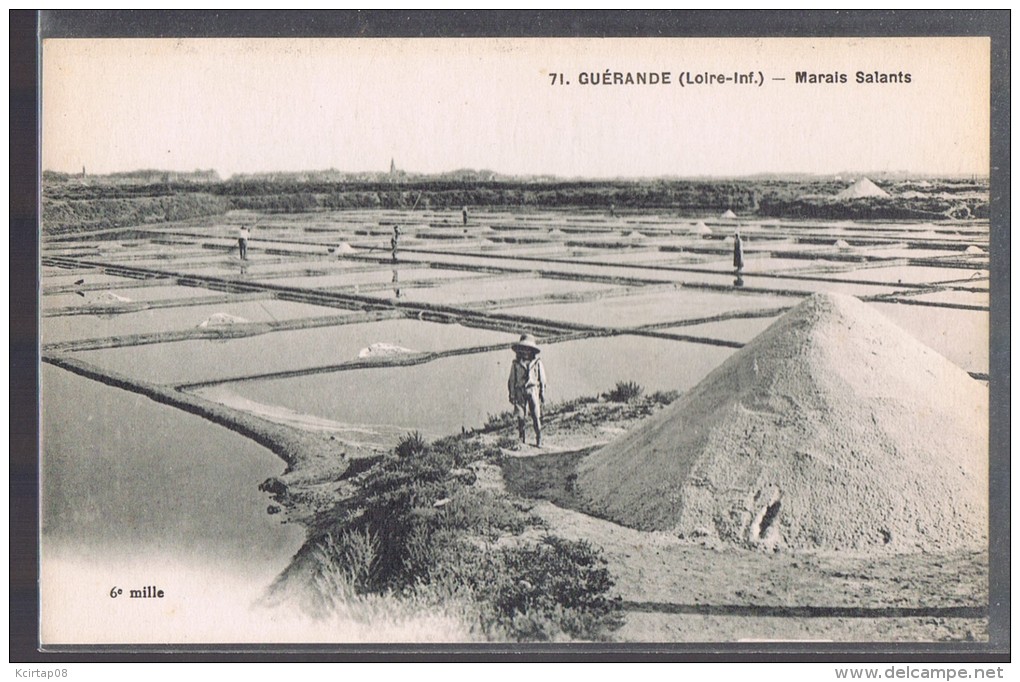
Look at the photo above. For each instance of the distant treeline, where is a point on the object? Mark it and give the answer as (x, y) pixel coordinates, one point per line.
(77, 206)
(872, 208)
(61, 216)
(455, 195)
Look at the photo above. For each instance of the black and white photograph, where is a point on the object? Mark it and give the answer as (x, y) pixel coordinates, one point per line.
(496, 340)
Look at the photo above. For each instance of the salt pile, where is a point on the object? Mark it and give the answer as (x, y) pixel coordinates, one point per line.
(702, 228)
(862, 188)
(833, 429)
(344, 248)
(383, 349)
(974, 249)
(110, 297)
(728, 215)
(842, 244)
(222, 320)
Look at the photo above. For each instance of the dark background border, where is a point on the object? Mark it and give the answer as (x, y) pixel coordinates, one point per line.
(25, 28)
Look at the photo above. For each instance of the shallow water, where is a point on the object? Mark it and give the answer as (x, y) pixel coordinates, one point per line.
(193, 361)
(441, 397)
(959, 335)
(254, 269)
(540, 265)
(958, 297)
(169, 260)
(907, 274)
(490, 290)
(916, 253)
(644, 309)
(123, 473)
(77, 327)
(376, 276)
(138, 493)
(740, 330)
(133, 293)
(154, 293)
(818, 283)
(89, 278)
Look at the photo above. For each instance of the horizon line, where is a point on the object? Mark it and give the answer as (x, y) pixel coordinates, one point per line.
(842, 174)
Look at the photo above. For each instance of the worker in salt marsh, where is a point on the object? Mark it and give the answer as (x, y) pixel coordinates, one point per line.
(463, 214)
(527, 386)
(738, 253)
(396, 283)
(243, 235)
(395, 241)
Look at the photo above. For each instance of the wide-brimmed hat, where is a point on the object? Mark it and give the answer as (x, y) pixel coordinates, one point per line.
(527, 342)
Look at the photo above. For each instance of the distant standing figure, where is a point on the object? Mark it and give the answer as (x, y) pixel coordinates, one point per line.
(527, 386)
(738, 252)
(243, 235)
(395, 241)
(463, 214)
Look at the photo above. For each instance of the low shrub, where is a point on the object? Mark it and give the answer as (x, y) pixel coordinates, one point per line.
(546, 591)
(485, 513)
(624, 392)
(497, 422)
(509, 442)
(411, 445)
(573, 404)
(664, 397)
(463, 450)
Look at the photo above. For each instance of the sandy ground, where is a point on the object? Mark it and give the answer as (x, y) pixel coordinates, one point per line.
(679, 592)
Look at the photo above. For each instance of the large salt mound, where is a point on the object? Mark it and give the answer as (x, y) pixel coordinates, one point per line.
(862, 188)
(833, 429)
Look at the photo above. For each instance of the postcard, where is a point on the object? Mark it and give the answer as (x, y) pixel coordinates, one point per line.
(510, 340)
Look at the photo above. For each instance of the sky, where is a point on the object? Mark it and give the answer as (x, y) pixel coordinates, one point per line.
(435, 105)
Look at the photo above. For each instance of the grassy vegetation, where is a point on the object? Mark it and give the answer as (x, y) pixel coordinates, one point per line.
(419, 530)
(424, 530)
(411, 445)
(624, 392)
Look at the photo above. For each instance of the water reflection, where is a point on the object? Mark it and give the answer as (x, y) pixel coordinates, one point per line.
(122, 474)
(474, 386)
